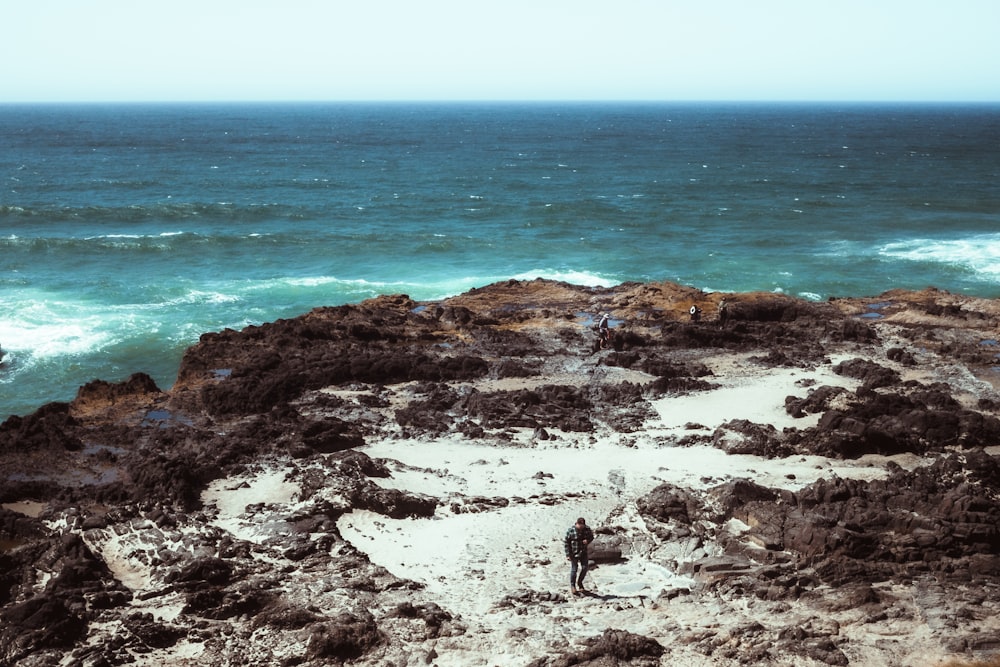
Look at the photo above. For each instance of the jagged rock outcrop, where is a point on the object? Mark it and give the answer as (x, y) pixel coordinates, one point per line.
(941, 520)
(125, 468)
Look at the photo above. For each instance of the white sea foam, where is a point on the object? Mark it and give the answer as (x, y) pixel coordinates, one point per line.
(214, 297)
(584, 278)
(305, 281)
(979, 254)
(40, 330)
(191, 297)
(448, 287)
(442, 287)
(348, 285)
(43, 332)
(133, 237)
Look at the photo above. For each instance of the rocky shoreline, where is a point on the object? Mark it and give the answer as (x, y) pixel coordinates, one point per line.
(386, 484)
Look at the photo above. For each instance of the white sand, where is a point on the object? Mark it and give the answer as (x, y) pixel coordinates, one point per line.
(752, 396)
(232, 496)
(469, 562)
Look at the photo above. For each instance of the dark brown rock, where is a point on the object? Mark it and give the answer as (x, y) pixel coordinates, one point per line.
(391, 502)
(552, 406)
(872, 375)
(42, 622)
(670, 503)
(613, 647)
(51, 427)
(343, 638)
(99, 395)
(127, 458)
(891, 423)
(817, 401)
(152, 633)
(744, 437)
(214, 571)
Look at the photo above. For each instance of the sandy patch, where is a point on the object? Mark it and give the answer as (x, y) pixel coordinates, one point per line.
(469, 561)
(230, 498)
(754, 396)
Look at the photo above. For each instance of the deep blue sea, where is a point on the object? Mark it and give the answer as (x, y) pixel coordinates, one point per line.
(127, 231)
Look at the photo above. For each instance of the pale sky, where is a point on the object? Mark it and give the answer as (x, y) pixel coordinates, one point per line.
(252, 50)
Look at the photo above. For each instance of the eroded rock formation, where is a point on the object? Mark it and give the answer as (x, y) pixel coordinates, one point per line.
(124, 470)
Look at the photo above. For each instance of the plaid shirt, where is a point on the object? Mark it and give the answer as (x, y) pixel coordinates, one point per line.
(576, 541)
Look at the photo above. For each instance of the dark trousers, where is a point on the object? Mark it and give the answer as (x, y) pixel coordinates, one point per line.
(579, 563)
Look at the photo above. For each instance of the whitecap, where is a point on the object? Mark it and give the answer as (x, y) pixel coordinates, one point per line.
(317, 281)
(189, 297)
(445, 286)
(979, 254)
(35, 334)
(132, 237)
(569, 276)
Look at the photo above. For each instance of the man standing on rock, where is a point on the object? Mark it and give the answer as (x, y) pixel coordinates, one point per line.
(604, 331)
(578, 537)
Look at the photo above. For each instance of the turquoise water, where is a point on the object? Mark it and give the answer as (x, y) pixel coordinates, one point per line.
(127, 231)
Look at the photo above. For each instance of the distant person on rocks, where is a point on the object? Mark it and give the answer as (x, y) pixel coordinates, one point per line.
(604, 331)
(578, 538)
(723, 313)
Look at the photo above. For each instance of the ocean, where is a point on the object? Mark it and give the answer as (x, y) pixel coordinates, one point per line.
(126, 231)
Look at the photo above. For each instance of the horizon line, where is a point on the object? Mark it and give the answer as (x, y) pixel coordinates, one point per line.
(526, 101)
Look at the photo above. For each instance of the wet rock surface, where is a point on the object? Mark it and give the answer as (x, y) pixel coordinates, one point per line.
(117, 547)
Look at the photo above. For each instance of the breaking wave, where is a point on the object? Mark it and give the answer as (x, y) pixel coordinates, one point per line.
(978, 255)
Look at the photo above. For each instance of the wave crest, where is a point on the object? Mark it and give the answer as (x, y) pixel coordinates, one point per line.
(166, 211)
(978, 254)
